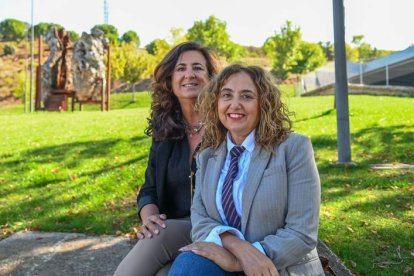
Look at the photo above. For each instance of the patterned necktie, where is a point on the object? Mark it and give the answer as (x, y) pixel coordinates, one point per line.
(227, 200)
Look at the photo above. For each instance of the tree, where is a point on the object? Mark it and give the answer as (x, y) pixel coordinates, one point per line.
(74, 36)
(131, 37)
(284, 49)
(328, 50)
(110, 31)
(139, 65)
(351, 53)
(213, 34)
(131, 64)
(13, 30)
(43, 27)
(158, 47)
(310, 57)
(365, 51)
(177, 36)
(118, 62)
(9, 50)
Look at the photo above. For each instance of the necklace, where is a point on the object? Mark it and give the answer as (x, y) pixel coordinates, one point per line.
(193, 130)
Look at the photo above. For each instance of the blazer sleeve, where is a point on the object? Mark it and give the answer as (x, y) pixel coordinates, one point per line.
(300, 233)
(201, 221)
(148, 192)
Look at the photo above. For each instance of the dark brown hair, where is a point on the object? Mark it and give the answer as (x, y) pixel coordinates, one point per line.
(274, 124)
(165, 121)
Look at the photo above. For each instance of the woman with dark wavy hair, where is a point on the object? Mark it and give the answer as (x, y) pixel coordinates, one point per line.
(176, 130)
(256, 206)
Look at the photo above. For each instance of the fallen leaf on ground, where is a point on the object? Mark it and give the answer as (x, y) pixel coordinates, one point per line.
(407, 270)
(353, 264)
(350, 229)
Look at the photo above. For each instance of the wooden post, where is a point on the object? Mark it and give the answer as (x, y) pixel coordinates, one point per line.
(108, 78)
(38, 96)
(102, 96)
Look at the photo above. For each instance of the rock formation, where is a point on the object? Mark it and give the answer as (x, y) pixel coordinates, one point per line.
(88, 65)
(56, 69)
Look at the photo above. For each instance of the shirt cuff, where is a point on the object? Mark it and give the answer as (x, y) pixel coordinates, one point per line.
(259, 247)
(214, 235)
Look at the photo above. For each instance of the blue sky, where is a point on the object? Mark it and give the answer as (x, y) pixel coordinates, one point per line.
(385, 24)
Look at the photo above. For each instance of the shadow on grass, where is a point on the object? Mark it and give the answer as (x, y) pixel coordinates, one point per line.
(373, 145)
(28, 196)
(323, 114)
(70, 154)
(370, 246)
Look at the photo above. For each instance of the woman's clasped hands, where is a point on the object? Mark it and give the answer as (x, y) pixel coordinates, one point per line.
(247, 259)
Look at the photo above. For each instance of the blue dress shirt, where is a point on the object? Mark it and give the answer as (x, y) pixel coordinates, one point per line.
(238, 187)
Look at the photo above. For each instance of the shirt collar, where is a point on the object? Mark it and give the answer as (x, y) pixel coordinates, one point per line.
(249, 143)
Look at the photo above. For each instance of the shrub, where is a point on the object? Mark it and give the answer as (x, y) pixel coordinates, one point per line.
(19, 85)
(9, 50)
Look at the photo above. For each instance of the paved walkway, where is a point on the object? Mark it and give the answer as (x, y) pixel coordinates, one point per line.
(42, 253)
(49, 253)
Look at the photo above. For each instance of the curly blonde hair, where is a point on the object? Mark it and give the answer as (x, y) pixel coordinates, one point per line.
(274, 123)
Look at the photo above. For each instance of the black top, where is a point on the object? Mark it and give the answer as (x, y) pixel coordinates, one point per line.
(167, 182)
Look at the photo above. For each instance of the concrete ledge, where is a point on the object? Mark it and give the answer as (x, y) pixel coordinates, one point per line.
(336, 267)
(51, 253)
(356, 89)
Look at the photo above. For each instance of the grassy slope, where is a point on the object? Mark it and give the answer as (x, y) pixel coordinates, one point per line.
(81, 171)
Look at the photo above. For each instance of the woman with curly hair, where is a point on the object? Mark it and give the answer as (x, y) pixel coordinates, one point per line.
(176, 130)
(256, 205)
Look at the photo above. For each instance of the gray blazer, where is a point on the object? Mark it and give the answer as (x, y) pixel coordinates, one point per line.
(280, 203)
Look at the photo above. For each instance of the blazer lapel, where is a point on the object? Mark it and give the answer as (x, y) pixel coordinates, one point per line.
(258, 163)
(214, 166)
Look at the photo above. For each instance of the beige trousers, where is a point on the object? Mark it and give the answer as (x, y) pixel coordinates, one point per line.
(154, 256)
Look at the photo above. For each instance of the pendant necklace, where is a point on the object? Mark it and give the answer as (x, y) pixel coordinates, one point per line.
(193, 130)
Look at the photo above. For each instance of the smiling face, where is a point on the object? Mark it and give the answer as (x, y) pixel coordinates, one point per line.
(190, 75)
(238, 106)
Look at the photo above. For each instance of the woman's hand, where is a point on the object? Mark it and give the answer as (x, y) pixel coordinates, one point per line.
(253, 261)
(219, 255)
(151, 226)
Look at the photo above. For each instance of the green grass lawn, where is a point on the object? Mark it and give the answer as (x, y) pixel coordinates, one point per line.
(81, 171)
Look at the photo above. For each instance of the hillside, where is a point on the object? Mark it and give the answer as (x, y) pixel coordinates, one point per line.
(12, 73)
(13, 76)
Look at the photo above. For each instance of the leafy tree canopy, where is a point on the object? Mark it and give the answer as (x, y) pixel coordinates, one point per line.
(213, 34)
(110, 31)
(311, 56)
(43, 27)
(328, 50)
(290, 54)
(284, 49)
(131, 64)
(13, 30)
(158, 47)
(74, 36)
(131, 37)
(177, 36)
(364, 51)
